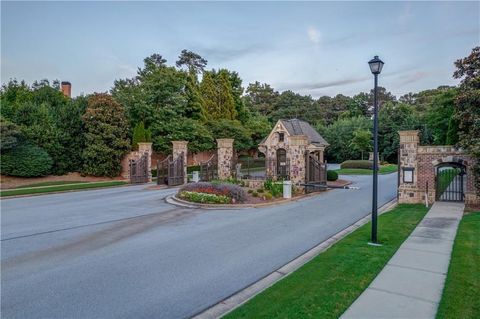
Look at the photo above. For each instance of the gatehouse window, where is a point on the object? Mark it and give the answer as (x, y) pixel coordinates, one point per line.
(281, 137)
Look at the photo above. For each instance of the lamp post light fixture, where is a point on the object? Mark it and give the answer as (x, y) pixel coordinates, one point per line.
(376, 66)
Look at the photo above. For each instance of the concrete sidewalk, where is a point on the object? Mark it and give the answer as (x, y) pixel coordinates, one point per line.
(411, 284)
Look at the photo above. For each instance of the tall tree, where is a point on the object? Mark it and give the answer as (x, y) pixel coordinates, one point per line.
(261, 98)
(193, 62)
(467, 107)
(106, 135)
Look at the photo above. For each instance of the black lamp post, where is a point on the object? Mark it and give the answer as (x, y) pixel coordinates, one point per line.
(376, 67)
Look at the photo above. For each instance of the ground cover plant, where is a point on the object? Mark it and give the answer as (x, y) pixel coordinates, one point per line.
(206, 198)
(59, 188)
(326, 286)
(462, 287)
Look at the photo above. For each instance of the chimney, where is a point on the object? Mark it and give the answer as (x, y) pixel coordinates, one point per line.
(67, 88)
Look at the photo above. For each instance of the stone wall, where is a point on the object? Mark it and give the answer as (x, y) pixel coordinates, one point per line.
(225, 157)
(424, 161)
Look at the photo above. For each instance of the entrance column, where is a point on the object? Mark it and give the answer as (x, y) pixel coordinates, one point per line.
(180, 149)
(146, 149)
(408, 189)
(224, 157)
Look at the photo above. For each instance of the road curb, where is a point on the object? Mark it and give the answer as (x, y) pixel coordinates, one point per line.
(242, 296)
(174, 200)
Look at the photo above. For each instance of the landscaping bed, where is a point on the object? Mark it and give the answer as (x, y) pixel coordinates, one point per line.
(232, 192)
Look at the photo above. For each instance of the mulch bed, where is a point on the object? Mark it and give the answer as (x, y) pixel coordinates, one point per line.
(339, 183)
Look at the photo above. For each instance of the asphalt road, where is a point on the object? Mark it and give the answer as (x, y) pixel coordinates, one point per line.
(125, 253)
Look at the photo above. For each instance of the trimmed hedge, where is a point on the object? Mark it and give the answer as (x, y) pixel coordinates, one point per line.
(357, 164)
(204, 198)
(26, 161)
(332, 176)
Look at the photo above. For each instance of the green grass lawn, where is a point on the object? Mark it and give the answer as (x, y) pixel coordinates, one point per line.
(50, 184)
(461, 295)
(58, 188)
(384, 169)
(326, 286)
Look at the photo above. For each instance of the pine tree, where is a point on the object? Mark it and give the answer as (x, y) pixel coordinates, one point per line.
(193, 108)
(208, 90)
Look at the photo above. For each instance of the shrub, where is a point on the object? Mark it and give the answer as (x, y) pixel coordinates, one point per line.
(260, 190)
(204, 198)
(106, 136)
(357, 164)
(250, 191)
(233, 191)
(191, 169)
(332, 175)
(255, 194)
(154, 172)
(268, 196)
(276, 188)
(140, 135)
(26, 161)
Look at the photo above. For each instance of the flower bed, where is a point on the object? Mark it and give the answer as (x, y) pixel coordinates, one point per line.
(204, 198)
(235, 193)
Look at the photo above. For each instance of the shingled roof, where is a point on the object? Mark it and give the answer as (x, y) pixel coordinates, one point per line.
(298, 127)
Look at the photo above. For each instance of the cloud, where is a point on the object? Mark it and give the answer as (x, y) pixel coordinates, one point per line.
(414, 77)
(314, 35)
(222, 53)
(321, 85)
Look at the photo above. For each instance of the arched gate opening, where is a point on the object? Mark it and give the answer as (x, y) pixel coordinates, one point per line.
(450, 182)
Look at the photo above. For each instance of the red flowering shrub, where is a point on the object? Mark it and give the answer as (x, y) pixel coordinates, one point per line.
(223, 189)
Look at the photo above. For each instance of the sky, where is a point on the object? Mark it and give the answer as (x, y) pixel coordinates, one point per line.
(316, 48)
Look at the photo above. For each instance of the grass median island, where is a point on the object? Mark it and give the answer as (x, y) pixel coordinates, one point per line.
(58, 188)
(383, 169)
(326, 286)
(461, 293)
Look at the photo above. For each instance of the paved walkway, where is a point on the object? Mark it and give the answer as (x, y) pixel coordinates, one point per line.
(411, 284)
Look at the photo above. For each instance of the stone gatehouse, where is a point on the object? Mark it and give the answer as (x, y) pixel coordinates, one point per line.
(286, 146)
(419, 168)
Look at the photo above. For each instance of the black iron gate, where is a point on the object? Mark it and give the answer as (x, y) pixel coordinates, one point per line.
(139, 170)
(449, 183)
(209, 169)
(316, 171)
(171, 172)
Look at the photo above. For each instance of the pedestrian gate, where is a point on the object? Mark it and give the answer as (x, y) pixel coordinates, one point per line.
(449, 182)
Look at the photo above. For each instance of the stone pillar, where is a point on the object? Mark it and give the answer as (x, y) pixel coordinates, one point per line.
(179, 149)
(146, 148)
(370, 157)
(296, 155)
(409, 192)
(224, 157)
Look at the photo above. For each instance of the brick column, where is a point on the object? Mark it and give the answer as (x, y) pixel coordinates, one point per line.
(180, 147)
(409, 192)
(296, 155)
(146, 148)
(224, 157)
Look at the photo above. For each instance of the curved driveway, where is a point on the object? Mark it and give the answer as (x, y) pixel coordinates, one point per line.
(125, 253)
